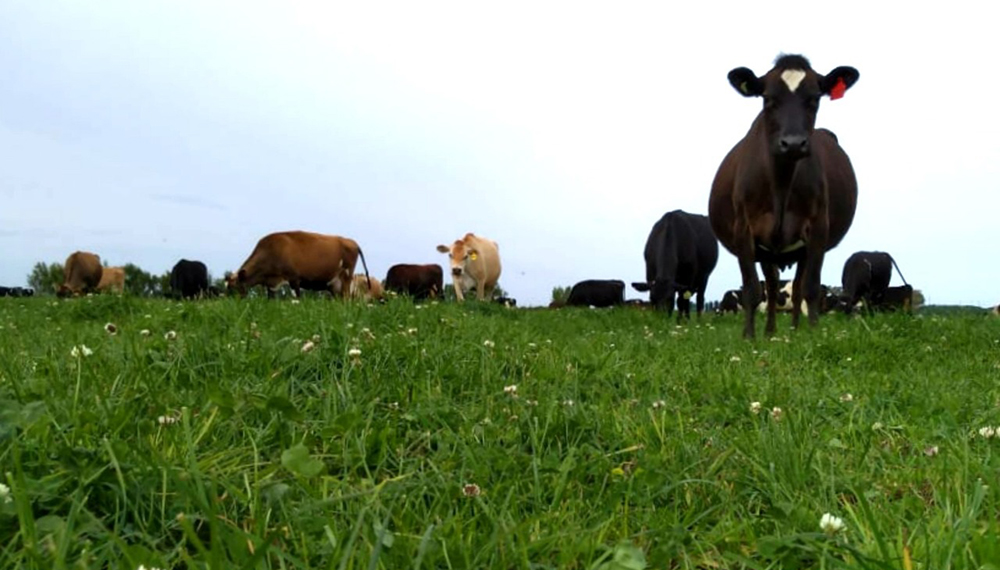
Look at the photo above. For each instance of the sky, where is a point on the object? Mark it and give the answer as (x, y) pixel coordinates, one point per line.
(151, 131)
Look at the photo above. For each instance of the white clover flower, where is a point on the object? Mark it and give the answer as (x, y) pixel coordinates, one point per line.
(354, 352)
(309, 345)
(488, 343)
(532, 345)
(295, 301)
(877, 426)
(315, 338)
(755, 407)
(144, 332)
(5, 494)
(470, 489)
(167, 420)
(411, 330)
(393, 405)
(987, 432)
(776, 414)
(568, 403)
(170, 335)
(847, 397)
(81, 350)
(141, 567)
(734, 358)
(111, 329)
(512, 389)
(659, 404)
(931, 451)
(830, 524)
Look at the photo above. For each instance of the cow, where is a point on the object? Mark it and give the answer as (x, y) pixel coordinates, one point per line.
(598, 293)
(996, 311)
(866, 277)
(508, 302)
(189, 279)
(786, 193)
(732, 302)
(82, 272)
(418, 281)
(681, 252)
(475, 262)
(367, 289)
(303, 260)
(112, 280)
(896, 298)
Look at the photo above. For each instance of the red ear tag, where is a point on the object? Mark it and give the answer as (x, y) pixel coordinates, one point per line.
(838, 90)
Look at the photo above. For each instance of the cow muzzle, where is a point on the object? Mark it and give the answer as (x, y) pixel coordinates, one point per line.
(456, 271)
(793, 146)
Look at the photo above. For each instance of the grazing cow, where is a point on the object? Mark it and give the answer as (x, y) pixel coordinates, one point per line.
(6, 292)
(417, 281)
(82, 274)
(189, 279)
(866, 277)
(786, 193)
(112, 280)
(367, 289)
(303, 260)
(732, 302)
(475, 262)
(996, 310)
(896, 298)
(598, 293)
(681, 252)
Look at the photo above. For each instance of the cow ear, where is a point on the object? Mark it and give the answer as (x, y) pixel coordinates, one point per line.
(746, 82)
(837, 81)
(443, 248)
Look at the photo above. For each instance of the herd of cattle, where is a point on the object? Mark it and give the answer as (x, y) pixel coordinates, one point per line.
(784, 195)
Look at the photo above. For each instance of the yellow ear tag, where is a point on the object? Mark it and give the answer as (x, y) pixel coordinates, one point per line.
(473, 256)
(687, 294)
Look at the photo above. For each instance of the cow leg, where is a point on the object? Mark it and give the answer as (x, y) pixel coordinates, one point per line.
(751, 290)
(811, 278)
(797, 289)
(481, 291)
(771, 282)
(457, 284)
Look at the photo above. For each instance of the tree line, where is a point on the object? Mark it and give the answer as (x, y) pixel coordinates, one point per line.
(45, 279)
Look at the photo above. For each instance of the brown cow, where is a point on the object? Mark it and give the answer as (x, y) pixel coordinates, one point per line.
(786, 193)
(363, 287)
(82, 273)
(303, 260)
(112, 280)
(417, 281)
(475, 263)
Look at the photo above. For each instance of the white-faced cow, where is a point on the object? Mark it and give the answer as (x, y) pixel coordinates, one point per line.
(303, 260)
(681, 252)
(786, 193)
(475, 262)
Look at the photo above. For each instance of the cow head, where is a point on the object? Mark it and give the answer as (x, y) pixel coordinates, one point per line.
(237, 282)
(791, 93)
(459, 254)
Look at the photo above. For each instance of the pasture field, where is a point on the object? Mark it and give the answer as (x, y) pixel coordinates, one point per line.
(628, 443)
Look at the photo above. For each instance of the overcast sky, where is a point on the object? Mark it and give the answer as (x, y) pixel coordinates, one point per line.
(150, 131)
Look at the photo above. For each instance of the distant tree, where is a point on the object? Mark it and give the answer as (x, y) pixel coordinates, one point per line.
(142, 284)
(45, 279)
(560, 294)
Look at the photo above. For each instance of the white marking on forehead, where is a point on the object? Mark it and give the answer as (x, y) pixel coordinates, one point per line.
(792, 78)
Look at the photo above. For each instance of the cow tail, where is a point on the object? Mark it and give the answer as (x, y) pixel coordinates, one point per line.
(898, 271)
(365, 265)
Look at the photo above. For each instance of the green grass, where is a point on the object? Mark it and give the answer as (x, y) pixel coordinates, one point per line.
(280, 458)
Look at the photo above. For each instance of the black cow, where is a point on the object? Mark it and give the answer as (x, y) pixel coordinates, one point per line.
(417, 281)
(866, 277)
(188, 279)
(508, 302)
(595, 293)
(680, 254)
(786, 193)
(896, 298)
(16, 292)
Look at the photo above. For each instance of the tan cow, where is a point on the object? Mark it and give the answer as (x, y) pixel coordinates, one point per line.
(475, 262)
(82, 273)
(303, 260)
(112, 280)
(364, 287)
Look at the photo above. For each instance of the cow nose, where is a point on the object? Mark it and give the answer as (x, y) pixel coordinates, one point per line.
(794, 145)
(456, 270)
